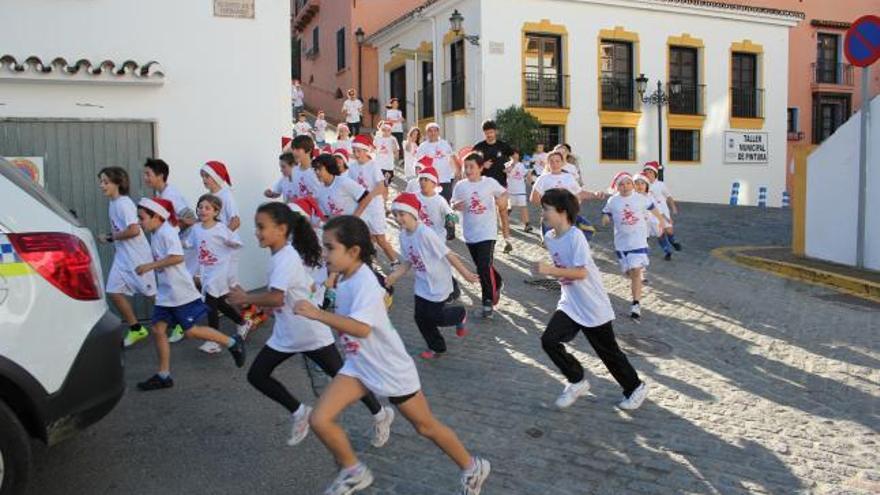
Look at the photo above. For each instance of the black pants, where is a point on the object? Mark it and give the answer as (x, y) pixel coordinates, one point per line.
(431, 315)
(563, 329)
(483, 254)
(217, 305)
(399, 137)
(355, 127)
(447, 191)
(327, 358)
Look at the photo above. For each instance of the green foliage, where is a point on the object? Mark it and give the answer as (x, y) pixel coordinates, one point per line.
(518, 128)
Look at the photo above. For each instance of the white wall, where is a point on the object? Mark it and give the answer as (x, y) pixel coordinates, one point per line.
(225, 97)
(711, 180)
(832, 194)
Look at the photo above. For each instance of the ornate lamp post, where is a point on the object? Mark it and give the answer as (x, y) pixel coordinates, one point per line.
(659, 98)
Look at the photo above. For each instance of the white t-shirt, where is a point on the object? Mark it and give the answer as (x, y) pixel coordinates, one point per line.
(174, 284)
(214, 247)
(305, 183)
(573, 170)
(516, 179)
(396, 119)
(302, 129)
(426, 254)
(344, 144)
(628, 214)
(539, 161)
(660, 193)
(433, 212)
(131, 252)
(380, 360)
(480, 220)
(561, 180)
(352, 110)
(409, 158)
(181, 209)
(341, 197)
(369, 175)
(291, 332)
(296, 95)
(385, 148)
(441, 152)
(320, 129)
(230, 208)
(286, 188)
(585, 301)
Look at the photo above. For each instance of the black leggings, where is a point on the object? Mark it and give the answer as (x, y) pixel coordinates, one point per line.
(431, 315)
(327, 358)
(217, 305)
(563, 329)
(483, 254)
(355, 127)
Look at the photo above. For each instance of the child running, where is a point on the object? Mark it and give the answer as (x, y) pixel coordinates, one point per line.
(583, 307)
(320, 128)
(302, 126)
(628, 210)
(664, 200)
(339, 194)
(289, 281)
(284, 187)
(131, 250)
(643, 187)
(305, 183)
(343, 137)
(215, 244)
(476, 197)
(424, 251)
(376, 361)
(367, 173)
(516, 188)
(177, 300)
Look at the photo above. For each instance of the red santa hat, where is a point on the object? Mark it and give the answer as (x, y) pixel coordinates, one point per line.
(307, 207)
(432, 124)
(430, 173)
(620, 177)
(384, 124)
(342, 125)
(408, 203)
(642, 178)
(424, 162)
(653, 167)
(327, 149)
(285, 141)
(217, 171)
(464, 152)
(342, 153)
(363, 142)
(162, 207)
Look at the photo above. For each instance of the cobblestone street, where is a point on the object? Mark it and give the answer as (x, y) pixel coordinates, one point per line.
(758, 385)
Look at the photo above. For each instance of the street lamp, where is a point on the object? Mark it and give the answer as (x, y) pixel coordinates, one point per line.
(455, 22)
(359, 36)
(659, 98)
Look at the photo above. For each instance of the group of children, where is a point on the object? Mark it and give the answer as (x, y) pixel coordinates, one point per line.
(323, 236)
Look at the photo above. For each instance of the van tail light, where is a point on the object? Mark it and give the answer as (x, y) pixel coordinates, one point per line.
(62, 259)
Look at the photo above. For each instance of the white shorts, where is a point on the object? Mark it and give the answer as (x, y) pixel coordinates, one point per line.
(129, 283)
(632, 259)
(516, 200)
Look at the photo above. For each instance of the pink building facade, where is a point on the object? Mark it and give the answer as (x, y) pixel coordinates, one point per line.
(327, 57)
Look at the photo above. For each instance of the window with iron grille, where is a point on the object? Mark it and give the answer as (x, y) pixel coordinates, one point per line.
(827, 58)
(616, 76)
(746, 98)
(453, 89)
(340, 49)
(683, 67)
(684, 145)
(551, 135)
(543, 79)
(793, 120)
(618, 143)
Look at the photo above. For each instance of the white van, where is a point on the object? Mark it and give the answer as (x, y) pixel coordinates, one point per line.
(61, 365)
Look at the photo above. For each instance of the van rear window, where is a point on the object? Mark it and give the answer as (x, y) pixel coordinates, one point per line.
(37, 192)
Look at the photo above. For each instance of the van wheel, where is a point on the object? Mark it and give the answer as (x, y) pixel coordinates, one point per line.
(15, 453)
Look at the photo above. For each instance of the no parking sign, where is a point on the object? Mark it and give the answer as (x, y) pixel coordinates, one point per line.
(862, 43)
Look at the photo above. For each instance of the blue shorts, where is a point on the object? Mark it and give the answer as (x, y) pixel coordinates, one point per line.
(187, 316)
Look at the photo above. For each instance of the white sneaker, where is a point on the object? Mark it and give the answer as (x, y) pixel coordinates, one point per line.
(635, 399)
(348, 482)
(472, 481)
(299, 427)
(210, 347)
(244, 329)
(635, 311)
(382, 427)
(571, 392)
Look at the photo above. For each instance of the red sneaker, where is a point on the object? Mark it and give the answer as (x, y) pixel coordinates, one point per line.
(429, 355)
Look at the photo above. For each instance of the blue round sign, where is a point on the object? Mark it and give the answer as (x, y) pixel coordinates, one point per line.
(862, 43)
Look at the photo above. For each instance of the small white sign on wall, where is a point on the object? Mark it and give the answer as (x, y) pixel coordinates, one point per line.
(496, 48)
(243, 9)
(746, 147)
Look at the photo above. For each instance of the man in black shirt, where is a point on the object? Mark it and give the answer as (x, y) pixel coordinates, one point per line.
(497, 154)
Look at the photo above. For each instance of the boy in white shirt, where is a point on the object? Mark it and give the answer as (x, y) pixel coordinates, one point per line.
(643, 187)
(131, 250)
(320, 129)
(668, 207)
(284, 186)
(394, 116)
(583, 307)
(516, 188)
(441, 155)
(302, 126)
(477, 197)
(352, 108)
(367, 173)
(387, 151)
(305, 182)
(177, 300)
(628, 210)
(425, 252)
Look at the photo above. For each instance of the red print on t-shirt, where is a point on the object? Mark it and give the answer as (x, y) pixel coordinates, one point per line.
(334, 210)
(206, 257)
(629, 216)
(351, 346)
(423, 216)
(303, 190)
(362, 182)
(476, 206)
(557, 262)
(415, 260)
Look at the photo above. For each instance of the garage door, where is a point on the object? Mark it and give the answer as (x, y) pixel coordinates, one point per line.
(73, 152)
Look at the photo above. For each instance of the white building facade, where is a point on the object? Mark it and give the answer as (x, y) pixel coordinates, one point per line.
(574, 64)
(193, 81)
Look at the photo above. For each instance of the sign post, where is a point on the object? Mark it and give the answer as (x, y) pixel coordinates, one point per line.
(862, 48)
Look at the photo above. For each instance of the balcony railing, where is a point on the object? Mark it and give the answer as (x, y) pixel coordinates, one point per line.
(453, 95)
(426, 103)
(690, 101)
(832, 73)
(545, 90)
(747, 102)
(618, 94)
